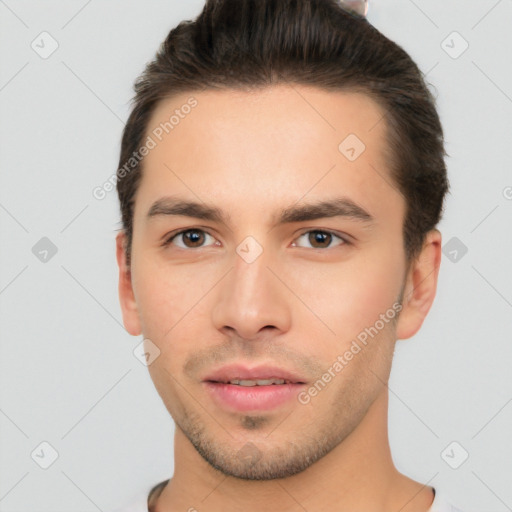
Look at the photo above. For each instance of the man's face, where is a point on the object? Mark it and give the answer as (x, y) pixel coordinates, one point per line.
(252, 291)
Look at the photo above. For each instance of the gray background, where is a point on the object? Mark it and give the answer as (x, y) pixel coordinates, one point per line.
(67, 369)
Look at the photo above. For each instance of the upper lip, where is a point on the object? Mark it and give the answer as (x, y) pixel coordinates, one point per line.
(237, 371)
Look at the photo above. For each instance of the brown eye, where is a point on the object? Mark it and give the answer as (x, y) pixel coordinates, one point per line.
(321, 239)
(189, 238)
(194, 237)
(318, 237)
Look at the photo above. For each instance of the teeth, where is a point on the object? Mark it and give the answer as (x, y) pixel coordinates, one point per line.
(262, 382)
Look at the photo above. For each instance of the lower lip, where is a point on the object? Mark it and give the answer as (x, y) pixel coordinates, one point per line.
(252, 398)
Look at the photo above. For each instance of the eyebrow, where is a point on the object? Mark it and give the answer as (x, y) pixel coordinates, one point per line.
(337, 207)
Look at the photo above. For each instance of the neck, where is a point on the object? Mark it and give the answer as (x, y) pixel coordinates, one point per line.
(357, 475)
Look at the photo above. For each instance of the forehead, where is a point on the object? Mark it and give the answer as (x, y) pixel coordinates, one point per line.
(272, 145)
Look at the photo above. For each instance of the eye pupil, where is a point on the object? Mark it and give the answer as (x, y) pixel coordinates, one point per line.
(194, 236)
(319, 237)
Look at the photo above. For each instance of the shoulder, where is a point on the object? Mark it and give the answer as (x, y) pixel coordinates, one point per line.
(143, 501)
(442, 503)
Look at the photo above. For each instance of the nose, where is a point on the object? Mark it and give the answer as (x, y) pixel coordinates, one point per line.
(251, 299)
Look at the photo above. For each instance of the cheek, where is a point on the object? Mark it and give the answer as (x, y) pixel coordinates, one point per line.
(350, 296)
(156, 293)
(170, 299)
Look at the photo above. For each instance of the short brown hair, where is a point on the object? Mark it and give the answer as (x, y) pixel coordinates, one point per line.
(248, 44)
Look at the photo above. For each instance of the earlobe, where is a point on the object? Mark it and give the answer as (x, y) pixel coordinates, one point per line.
(420, 287)
(127, 301)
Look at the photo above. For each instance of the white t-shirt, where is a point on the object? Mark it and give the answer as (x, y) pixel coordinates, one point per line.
(139, 503)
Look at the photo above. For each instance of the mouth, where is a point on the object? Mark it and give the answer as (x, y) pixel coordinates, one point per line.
(238, 388)
(241, 375)
(251, 382)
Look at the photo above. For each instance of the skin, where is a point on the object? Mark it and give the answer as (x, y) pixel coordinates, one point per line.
(298, 306)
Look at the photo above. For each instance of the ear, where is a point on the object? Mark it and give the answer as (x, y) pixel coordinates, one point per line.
(420, 286)
(126, 296)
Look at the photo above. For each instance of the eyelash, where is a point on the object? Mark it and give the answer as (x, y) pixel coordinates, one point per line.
(168, 241)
